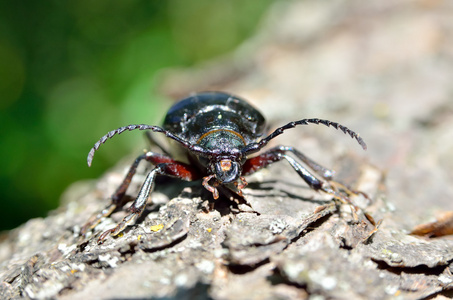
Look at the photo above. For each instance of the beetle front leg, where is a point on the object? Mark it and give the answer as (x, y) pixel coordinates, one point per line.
(320, 170)
(278, 153)
(117, 200)
(328, 187)
(174, 169)
(275, 154)
(137, 207)
(309, 178)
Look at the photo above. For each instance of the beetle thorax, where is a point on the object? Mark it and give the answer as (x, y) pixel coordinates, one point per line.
(223, 141)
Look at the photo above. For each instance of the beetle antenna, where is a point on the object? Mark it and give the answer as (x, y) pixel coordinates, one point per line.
(102, 140)
(254, 147)
(120, 130)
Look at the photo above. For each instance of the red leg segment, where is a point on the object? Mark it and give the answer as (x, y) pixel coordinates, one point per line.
(338, 191)
(167, 166)
(276, 154)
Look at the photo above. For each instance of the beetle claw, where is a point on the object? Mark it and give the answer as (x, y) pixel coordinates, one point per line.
(95, 219)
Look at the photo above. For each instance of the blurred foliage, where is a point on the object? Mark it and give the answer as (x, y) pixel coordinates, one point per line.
(72, 70)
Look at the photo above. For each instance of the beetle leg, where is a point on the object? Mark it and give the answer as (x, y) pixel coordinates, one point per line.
(137, 207)
(309, 178)
(211, 188)
(333, 188)
(96, 218)
(275, 154)
(280, 152)
(261, 161)
(337, 190)
(174, 169)
(314, 182)
(320, 170)
(117, 200)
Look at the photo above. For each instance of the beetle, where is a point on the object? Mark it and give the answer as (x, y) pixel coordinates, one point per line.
(217, 133)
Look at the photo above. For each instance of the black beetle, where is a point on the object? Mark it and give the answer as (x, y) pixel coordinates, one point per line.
(218, 132)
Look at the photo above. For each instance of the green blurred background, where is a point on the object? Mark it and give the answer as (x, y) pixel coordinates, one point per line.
(72, 70)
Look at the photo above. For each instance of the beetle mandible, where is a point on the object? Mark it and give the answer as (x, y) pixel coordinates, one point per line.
(217, 133)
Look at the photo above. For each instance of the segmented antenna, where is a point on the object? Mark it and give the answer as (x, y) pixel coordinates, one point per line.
(257, 146)
(120, 130)
(194, 148)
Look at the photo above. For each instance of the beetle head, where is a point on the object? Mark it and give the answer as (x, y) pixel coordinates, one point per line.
(226, 170)
(224, 159)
